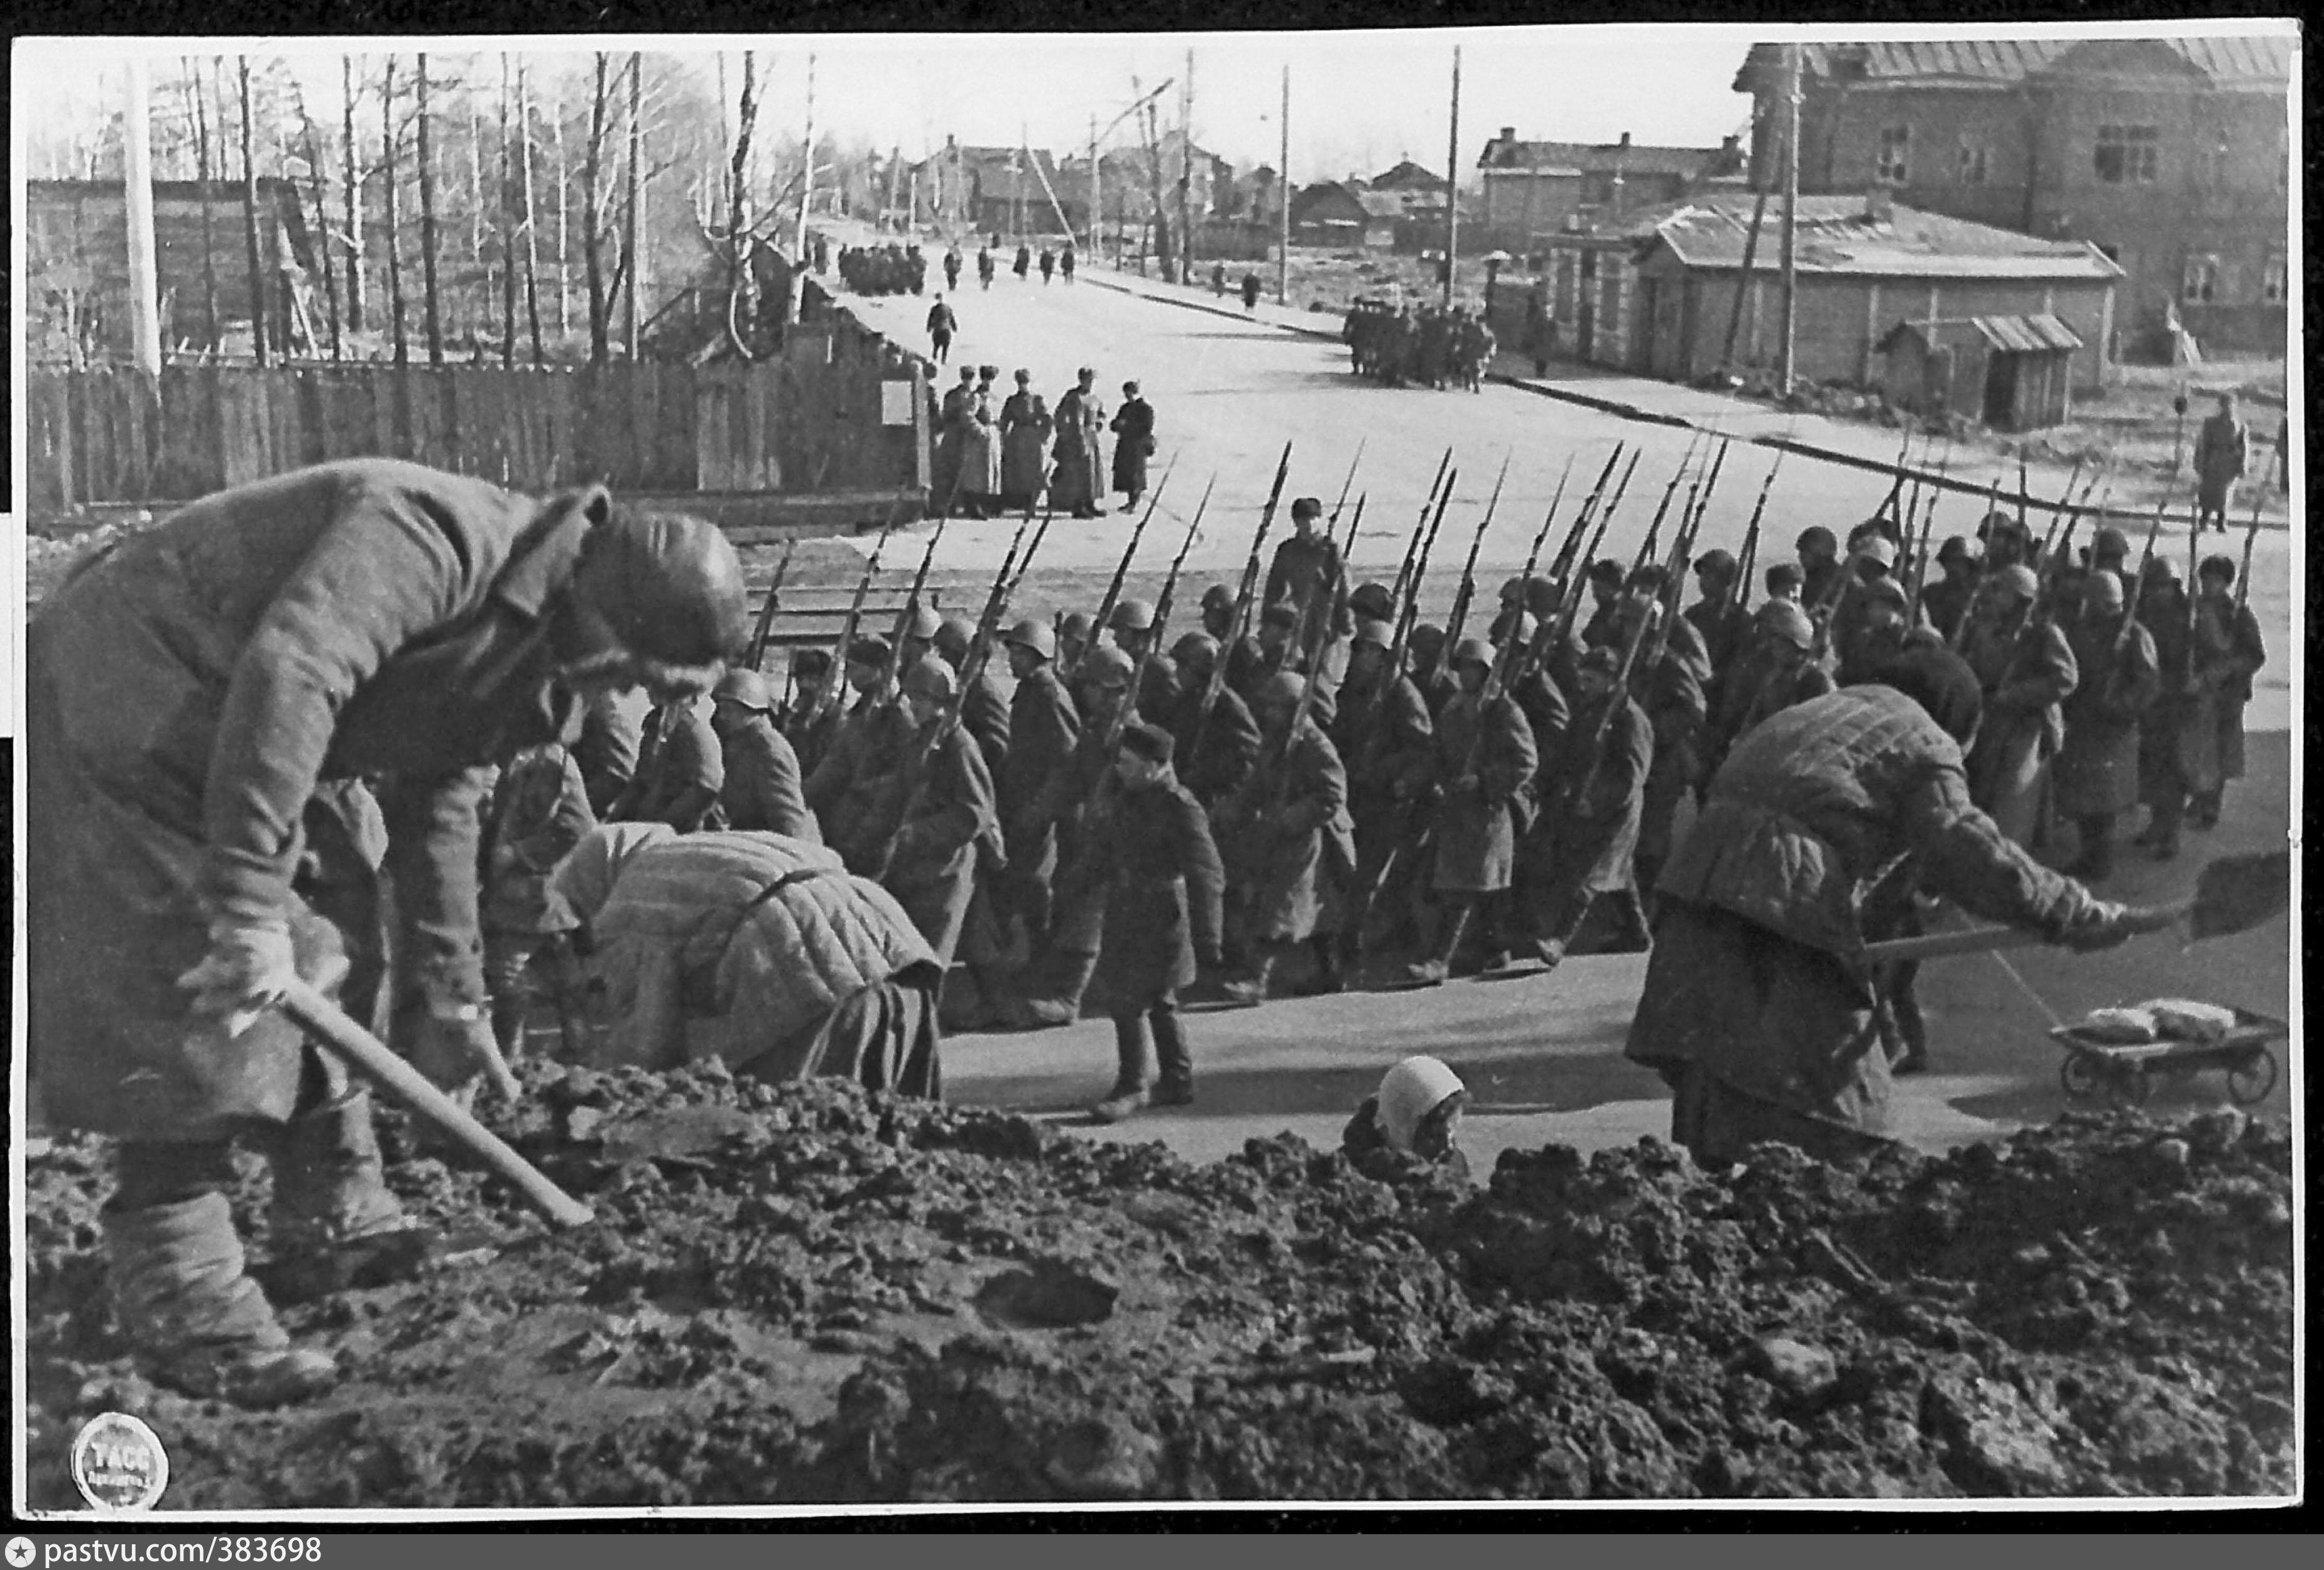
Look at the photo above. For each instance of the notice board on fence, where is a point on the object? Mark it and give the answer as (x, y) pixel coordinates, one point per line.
(895, 403)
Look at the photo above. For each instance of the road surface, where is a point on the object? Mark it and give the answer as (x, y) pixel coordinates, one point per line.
(1542, 1055)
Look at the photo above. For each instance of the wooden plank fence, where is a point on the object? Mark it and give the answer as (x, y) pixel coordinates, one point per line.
(810, 421)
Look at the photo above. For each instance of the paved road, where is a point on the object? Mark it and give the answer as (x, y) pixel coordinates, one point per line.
(1542, 1054)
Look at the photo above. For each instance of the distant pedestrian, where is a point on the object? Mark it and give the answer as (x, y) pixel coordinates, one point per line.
(1048, 264)
(1251, 291)
(942, 325)
(1218, 278)
(1065, 263)
(984, 265)
(952, 268)
(2222, 449)
(1133, 428)
(1024, 262)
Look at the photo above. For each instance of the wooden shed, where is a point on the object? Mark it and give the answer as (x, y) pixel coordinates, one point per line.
(2009, 373)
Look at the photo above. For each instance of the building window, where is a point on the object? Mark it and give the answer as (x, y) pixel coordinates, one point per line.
(1971, 166)
(2200, 285)
(2126, 155)
(1895, 145)
(2271, 281)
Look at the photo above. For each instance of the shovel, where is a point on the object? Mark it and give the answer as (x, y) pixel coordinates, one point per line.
(323, 1020)
(2232, 894)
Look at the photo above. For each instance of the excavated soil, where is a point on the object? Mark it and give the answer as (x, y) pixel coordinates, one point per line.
(805, 1294)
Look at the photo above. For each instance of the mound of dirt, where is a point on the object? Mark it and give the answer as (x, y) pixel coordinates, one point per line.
(808, 1294)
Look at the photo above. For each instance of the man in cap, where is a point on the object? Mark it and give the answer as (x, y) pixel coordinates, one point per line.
(2095, 771)
(1605, 624)
(810, 725)
(2179, 734)
(1078, 801)
(1386, 736)
(1674, 690)
(1946, 602)
(1484, 775)
(2231, 652)
(870, 743)
(1133, 444)
(1043, 727)
(1423, 646)
(1306, 570)
(1756, 1009)
(763, 792)
(1158, 874)
(538, 812)
(942, 324)
(919, 834)
(679, 771)
(1076, 632)
(1287, 841)
(2222, 451)
(1725, 626)
(186, 693)
(1214, 763)
(946, 485)
(1025, 426)
(1819, 560)
(984, 707)
(1785, 580)
(1582, 852)
(2025, 669)
(1073, 486)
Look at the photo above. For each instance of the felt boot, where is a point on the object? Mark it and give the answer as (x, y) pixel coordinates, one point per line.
(1133, 1073)
(1177, 1085)
(1056, 997)
(335, 1224)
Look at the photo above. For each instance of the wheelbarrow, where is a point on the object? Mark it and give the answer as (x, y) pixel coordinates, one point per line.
(2125, 1073)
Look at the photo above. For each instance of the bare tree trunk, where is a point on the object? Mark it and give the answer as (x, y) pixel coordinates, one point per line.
(198, 92)
(507, 232)
(531, 234)
(397, 327)
(431, 302)
(592, 258)
(633, 257)
(354, 205)
(322, 218)
(564, 255)
(250, 221)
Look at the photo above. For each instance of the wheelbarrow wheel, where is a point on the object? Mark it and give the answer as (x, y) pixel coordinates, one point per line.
(2078, 1076)
(2251, 1076)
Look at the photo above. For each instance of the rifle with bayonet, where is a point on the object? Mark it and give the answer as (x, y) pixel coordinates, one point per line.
(1332, 523)
(1564, 565)
(910, 607)
(1465, 593)
(1240, 624)
(1655, 530)
(1121, 568)
(754, 653)
(1750, 556)
(1155, 638)
(1412, 547)
(836, 682)
(2251, 537)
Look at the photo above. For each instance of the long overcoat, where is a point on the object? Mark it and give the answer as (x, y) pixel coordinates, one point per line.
(763, 792)
(1163, 883)
(185, 692)
(1476, 826)
(1282, 835)
(1586, 841)
(1025, 425)
(2026, 675)
(1133, 431)
(1080, 418)
(2095, 771)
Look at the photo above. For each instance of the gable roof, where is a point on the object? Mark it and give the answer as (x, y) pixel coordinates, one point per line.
(1847, 235)
(1409, 176)
(2249, 62)
(2031, 334)
(1601, 158)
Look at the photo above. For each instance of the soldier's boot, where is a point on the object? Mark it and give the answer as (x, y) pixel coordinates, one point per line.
(2096, 859)
(1176, 1088)
(1431, 971)
(335, 1224)
(1633, 928)
(196, 1320)
(1249, 990)
(1133, 1073)
(962, 1004)
(508, 1023)
(2167, 819)
(1056, 999)
(2204, 811)
(1332, 964)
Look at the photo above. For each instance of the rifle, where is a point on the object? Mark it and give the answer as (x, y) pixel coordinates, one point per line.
(2147, 556)
(1467, 591)
(1648, 625)
(1751, 535)
(2023, 500)
(1541, 536)
(1403, 571)
(1563, 563)
(835, 681)
(1241, 621)
(1161, 623)
(754, 653)
(1655, 529)
(1897, 487)
(2251, 537)
(1334, 522)
(1121, 568)
(1411, 608)
(1675, 573)
(911, 603)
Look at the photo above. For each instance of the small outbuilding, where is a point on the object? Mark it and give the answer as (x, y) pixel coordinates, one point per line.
(2011, 372)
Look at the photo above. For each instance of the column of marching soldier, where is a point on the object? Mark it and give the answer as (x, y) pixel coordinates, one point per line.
(1311, 769)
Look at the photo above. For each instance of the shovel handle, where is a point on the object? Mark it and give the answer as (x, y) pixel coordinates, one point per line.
(1987, 939)
(323, 1020)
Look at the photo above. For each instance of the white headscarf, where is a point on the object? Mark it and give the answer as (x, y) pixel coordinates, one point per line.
(584, 880)
(1410, 1091)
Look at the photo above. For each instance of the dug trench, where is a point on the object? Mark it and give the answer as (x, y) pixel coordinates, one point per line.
(807, 1294)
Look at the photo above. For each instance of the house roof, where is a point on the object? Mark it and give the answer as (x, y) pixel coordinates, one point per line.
(1383, 204)
(1409, 176)
(2035, 334)
(2229, 62)
(1846, 234)
(1599, 158)
(991, 159)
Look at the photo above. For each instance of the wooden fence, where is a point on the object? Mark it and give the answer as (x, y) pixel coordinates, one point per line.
(809, 421)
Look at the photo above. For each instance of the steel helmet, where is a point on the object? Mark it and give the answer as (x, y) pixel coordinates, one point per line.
(1372, 600)
(2162, 570)
(2019, 580)
(1473, 652)
(1520, 628)
(1425, 641)
(1074, 625)
(669, 587)
(931, 678)
(1409, 1093)
(1108, 668)
(1131, 616)
(1879, 548)
(744, 689)
(1885, 590)
(1034, 635)
(1280, 689)
(2102, 591)
(2108, 542)
(1717, 564)
(1218, 597)
(922, 624)
(953, 635)
(1196, 651)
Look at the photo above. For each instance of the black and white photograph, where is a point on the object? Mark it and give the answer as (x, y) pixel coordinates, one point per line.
(810, 775)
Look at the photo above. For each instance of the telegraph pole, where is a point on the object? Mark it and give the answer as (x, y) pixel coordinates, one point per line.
(137, 170)
(1094, 209)
(1453, 190)
(1783, 367)
(807, 199)
(1283, 188)
(1186, 176)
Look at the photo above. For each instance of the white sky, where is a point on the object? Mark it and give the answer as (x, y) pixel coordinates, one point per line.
(1359, 100)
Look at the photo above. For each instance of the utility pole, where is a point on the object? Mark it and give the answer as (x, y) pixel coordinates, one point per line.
(1783, 365)
(1095, 208)
(250, 222)
(1186, 175)
(1283, 190)
(1452, 186)
(137, 188)
(806, 200)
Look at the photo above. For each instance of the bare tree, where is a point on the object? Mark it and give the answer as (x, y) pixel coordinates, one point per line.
(250, 221)
(508, 230)
(198, 97)
(431, 301)
(354, 205)
(593, 239)
(524, 198)
(632, 256)
(322, 216)
(397, 325)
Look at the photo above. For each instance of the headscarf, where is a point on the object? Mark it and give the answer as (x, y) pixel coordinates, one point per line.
(1412, 1090)
(584, 882)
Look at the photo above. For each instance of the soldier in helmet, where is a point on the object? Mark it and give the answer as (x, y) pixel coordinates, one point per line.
(2025, 670)
(1671, 690)
(1818, 557)
(1216, 762)
(1245, 663)
(1287, 842)
(808, 724)
(1076, 635)
(2229, 653)
(1594, 799)
(1725, 626)
(1786, 671)
(1132, 625)
(920, 834)
(1879, 634)
(1158, 871)
(1043, 727)
(607, 751)
(2096, 768)
(679, 774)
(188, 694)
(1423, 647)
(1385, 734)
(1605, 622)
(1485, 766)
(1947, 600)
(870, 744)
(984, 707)
(2109, 551)
(2178, 736)
(763, 792)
